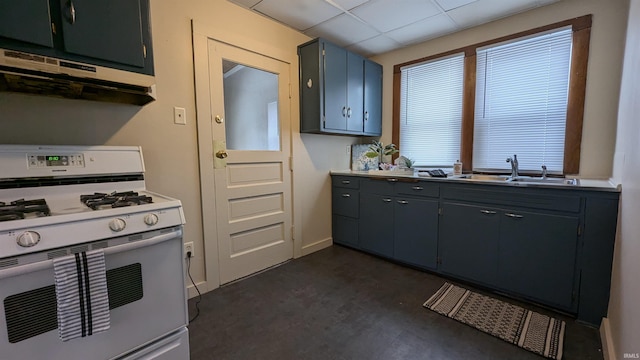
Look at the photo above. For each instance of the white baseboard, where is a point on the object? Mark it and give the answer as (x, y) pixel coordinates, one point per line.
(318, 245)
(202, 286)
(608, 349)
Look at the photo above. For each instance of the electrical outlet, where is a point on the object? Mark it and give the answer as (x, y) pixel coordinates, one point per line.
(188, 247)
(348, 149)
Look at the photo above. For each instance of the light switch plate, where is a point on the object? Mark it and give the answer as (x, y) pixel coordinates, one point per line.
(179, 116)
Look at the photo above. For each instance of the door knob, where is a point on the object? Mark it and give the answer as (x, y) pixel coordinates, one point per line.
(221, 154)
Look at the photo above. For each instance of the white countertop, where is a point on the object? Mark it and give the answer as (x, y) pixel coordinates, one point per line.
(583, 184)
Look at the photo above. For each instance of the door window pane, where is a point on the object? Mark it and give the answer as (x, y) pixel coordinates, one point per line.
(251, 108)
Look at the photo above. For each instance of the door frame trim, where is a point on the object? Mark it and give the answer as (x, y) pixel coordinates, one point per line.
(201, 34)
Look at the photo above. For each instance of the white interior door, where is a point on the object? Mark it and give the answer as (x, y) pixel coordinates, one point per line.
(251, 145)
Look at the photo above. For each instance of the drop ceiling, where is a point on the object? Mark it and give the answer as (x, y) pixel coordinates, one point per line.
(372, 27)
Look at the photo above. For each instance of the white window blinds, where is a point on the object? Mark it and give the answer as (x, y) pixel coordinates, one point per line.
(431, 111)
(521, 103)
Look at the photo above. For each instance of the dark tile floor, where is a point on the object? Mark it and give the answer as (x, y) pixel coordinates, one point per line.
(343, 304)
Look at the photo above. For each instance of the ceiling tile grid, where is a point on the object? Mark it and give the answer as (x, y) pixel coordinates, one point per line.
(373, 27)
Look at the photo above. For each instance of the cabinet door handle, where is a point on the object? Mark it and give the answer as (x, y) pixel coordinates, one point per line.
(417, 188)
(516, 216)
(346, 195)
(488, 212)
(392, 180)
(403, 202)
(344, 111)
(386, 200)
(72, 12)
(348, 112)
(346, 182)
(366, 115)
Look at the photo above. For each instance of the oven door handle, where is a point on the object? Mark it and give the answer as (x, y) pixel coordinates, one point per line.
(43, 265)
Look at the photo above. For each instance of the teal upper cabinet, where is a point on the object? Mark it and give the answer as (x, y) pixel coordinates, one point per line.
(372, 98)
(85, 24)
(109, 33)
(27, 20)
(340, 92)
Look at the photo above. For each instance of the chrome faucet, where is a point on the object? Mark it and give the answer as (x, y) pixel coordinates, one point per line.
(544, 171)
(514, 166)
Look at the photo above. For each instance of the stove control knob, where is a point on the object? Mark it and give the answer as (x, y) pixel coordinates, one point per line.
(151, 219)
(28, 238)
(117, 224)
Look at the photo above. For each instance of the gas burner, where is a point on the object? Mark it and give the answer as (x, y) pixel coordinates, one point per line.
(99, 201)
(19, 209)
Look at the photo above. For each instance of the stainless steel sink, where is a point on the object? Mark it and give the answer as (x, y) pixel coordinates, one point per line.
(535, 180)
(484, 177)
(524, 180)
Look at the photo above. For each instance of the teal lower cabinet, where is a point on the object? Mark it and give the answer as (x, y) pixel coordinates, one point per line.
(345, 230)
(415, 223)
(345, 210)
(468, 242)
(537, 256)
(549, 245)
(376, 224)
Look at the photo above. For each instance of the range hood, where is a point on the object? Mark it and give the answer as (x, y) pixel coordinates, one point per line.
(37, 74)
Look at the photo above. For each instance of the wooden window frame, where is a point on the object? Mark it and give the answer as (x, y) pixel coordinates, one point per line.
(581, 28)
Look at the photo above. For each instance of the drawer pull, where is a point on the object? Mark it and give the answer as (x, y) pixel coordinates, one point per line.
(392, 180)
(403, 202)
(488, 212)
(418, 188)
(346, 182)
(516, 216)
(346, 195)
(386, 200)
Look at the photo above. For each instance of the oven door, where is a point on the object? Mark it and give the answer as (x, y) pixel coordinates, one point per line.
(147, 300)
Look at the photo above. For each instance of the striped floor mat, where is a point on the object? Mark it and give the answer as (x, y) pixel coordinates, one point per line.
(527, 329)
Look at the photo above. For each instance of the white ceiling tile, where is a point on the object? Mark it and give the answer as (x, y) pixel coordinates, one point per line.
(345, 28)
(245, 3)
(299, 14)
(347, 4)
(403, 22)
(387, 15)
(546, 2)
(424, 29)
(452, 4)
(488, 10)
(377, 45)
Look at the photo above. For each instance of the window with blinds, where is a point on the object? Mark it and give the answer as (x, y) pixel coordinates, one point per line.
(521, 103)
(431, 111)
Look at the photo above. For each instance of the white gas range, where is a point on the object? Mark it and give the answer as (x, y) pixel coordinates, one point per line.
(56, 201)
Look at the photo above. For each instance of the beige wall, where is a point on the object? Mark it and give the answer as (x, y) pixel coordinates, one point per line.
(171, 151)
(624, 316)
(603, 78)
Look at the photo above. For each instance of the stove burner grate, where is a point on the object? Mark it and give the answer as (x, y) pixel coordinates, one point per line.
(99, 201)
(19, 209)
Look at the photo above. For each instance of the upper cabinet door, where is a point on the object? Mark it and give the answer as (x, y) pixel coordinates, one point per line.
(104, 29)
(26, 20)
(355, 92)
(372, 98)
(335, 87)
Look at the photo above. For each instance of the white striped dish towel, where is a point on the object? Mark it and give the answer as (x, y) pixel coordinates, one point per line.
(82, 295)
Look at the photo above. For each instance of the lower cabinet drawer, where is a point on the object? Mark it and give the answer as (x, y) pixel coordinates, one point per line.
(350, 182)
(345, 202)
(422, 188)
